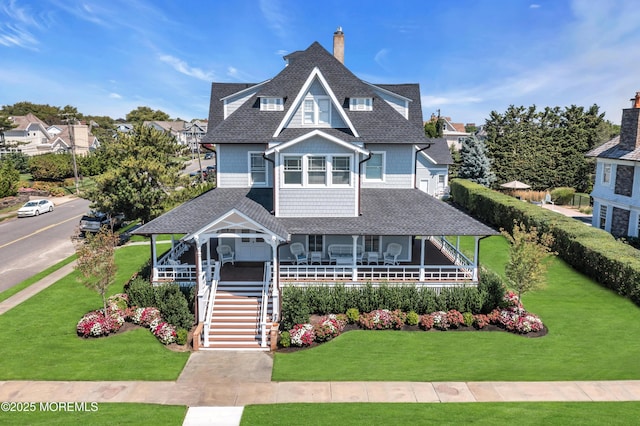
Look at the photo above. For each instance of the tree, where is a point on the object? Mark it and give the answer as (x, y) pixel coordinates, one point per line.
(45, 112)
(144, 113)
(51, 166)
(527, 252)
(96, 261)
(143, 169)
(475, 165)
(9, 178)
(545, 148)
(434, 127)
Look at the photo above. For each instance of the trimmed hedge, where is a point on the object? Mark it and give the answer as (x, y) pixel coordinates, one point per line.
(592, 251)
(300, 302)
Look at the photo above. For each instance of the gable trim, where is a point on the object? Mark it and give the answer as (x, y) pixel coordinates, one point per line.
(314, 133)
(233, 211)
(297, 102)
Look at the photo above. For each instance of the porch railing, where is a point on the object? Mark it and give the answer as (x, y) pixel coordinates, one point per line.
(375, 273)
(451, 251)
(264, 304)
(213, 287)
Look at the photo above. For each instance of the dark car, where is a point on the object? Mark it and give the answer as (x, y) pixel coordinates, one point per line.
(93, 221)
(208, 156)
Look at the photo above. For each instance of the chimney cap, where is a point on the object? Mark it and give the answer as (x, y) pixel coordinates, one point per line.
(339, 30)
(635, 102)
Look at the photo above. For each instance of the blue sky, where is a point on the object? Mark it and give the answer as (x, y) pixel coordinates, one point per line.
(470, 56)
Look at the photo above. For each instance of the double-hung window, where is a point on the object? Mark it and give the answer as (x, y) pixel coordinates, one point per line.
(341, 171)
(317, 170)
(315, 243)
(316, 111)
(372, 243)
(606, 174)
(258, 169)
(293, 170)
(374, 168)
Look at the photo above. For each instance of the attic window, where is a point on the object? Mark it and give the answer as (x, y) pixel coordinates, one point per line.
(360, 104)
(271, 104)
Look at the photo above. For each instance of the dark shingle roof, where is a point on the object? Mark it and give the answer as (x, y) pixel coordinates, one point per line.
(383, 124)
(611, 149)
(384, 212)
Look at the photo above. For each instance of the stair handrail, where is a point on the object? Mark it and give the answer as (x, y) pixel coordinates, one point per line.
(215, 278)
(266, 284)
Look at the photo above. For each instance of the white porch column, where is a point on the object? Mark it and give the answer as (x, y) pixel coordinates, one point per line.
(275, 287)
(154, 260)
(422, 253)
(173, 245)
(209, 277)
(199, 283)
(476, 256)
(354, 266)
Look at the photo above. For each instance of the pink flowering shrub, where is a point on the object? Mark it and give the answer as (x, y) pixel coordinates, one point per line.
(516, 320)
(145, 316)
(328, 327)
(382, 319)
(426, 321)
(440, 320)
(455, 318)
(480, 321)
(164, 331)
(96, 323)
(510, 300)
(302, 335)
(119, 301)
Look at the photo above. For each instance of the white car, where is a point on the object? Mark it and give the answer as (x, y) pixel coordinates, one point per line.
(35, 207)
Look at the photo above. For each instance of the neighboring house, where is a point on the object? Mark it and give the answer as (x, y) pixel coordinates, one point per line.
(30, 136)
(454, 133)
(318, 184)
(616, 191)
(186, 133)
(62, 140)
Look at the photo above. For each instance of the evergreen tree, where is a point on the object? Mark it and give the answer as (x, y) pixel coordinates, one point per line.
(475, 164)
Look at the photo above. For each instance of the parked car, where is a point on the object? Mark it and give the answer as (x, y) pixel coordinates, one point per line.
(208, 156)
(35, 207)
(93, 221)
(211, 169)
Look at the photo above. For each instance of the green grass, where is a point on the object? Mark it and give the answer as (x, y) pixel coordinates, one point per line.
(591, 337)
(39, 340)
(26, 283)
(106, 414)
(548, 413)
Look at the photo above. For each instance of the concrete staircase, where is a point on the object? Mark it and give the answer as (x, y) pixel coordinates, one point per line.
(235, 323)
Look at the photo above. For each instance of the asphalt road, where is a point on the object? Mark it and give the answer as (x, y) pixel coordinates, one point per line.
(30, 245)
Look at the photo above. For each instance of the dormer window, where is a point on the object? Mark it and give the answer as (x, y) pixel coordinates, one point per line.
(271, 103)
(361, 104)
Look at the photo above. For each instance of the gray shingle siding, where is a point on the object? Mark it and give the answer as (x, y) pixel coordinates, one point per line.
(398, 166)
(233, 165)
(312, 202)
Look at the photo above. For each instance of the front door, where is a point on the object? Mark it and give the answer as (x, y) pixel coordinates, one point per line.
(252, 250)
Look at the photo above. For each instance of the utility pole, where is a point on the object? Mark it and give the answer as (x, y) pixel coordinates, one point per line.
(70, 119)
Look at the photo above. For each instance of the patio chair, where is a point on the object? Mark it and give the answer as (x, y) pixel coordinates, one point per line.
(225, 254)
(392, 253)
(299, 254)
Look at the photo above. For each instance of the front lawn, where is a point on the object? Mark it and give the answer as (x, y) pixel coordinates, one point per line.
(547, 413)
(39, 340)
(591, 337)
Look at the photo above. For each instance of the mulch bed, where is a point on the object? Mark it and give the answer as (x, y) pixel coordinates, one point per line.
(487, 329)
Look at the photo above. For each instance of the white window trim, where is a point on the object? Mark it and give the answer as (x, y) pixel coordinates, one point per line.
(316, 110)
(266, 171)
(271, 103)
(604, 173)
(328, 171)
(384, 168)
(361, 104)
(302, 171)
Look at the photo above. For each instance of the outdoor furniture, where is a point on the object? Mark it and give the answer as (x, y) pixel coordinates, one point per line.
(372, 257)
(336, 251)
(299, 254)
(225, 254)
(315, 257)
(392, 253)
(344, 260)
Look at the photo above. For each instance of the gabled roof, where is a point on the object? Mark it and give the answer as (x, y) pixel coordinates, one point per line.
(248, 124)
(384, 212)
(612, 150)
(23, 122)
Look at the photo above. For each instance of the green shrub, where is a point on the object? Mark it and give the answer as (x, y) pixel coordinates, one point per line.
(173, 306)
(141, 293)
(295, 307)
(562, 195)
(413, 318)
(181, 336)
(353, 315)
(468, 319)
(285, 339)
(492, 289)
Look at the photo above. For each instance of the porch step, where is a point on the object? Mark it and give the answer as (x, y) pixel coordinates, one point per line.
(235, 323)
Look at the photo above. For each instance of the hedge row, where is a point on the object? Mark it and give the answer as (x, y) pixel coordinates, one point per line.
(298, 303)
(592, 251)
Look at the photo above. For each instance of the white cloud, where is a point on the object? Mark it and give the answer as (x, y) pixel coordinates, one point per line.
(534, 6)
(276, 18)
(115, 96)
(184, 68)
(381, 57)
(18, 26)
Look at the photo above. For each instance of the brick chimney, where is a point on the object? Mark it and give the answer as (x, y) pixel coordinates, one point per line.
(630, 126)
(338, 45)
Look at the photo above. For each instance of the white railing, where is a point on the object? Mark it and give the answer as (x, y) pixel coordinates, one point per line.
(376, 274)
(264, 304)
(177, 251)
(451, 251)
(182, 273)
(215, 278)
